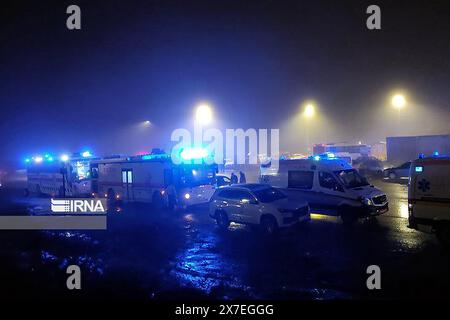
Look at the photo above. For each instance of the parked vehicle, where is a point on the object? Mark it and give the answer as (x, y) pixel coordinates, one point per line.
(153, 178)
(329, 185)
(222, 180)
(400, 172)
(64, 177)
(429, 197)
(369, 166)
(256, 204)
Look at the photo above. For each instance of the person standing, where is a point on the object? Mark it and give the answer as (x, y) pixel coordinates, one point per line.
(242, 178)
(233, 178)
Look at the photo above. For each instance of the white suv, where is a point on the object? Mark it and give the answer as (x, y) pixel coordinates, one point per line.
(256, 204)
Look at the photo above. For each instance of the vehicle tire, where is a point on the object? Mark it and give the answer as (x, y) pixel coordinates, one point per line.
(269, 225)
(443, 235)
(222, 220)
(392, 175)
(348, 215)
(157, 200)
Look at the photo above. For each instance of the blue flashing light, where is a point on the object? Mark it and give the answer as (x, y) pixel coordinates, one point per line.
(194, 153)
(421, 156)
(331, 155)
(154, 156)
(436, 153)
(27, 160)
(38, 159)
(64, 158)
(86, 154)
(418, 169)
(46, 156)
(316, 158)
(50, 159)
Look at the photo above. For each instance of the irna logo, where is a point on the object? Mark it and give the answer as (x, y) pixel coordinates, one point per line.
(78, 205)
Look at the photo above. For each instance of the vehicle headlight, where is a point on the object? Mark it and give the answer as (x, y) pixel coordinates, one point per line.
(367, 201)
(187, 196)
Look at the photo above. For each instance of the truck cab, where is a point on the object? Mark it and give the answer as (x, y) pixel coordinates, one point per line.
(330, 185)
(429, 197)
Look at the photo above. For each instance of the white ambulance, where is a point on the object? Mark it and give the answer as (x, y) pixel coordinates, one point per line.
(329, 184)
(63, 177)
(153, 178)
(429, 197)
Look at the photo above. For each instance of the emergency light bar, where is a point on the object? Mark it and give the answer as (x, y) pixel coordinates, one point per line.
(194, 153)
(324, 156)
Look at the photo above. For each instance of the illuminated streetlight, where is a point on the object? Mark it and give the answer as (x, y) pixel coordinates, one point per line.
(398, 101)
(203, 114)
(309, 111)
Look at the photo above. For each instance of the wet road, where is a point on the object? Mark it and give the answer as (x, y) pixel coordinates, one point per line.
(146, 254)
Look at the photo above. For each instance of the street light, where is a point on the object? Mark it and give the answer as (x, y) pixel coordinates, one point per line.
(203, 114)
(309, 111)
(398, 101)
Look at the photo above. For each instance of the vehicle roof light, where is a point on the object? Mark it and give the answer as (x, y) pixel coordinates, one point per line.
(194, 153)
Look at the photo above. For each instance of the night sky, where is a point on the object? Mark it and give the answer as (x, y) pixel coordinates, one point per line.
(253, 61)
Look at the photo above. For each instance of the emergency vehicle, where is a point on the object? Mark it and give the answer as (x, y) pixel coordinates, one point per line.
(67, 176)
(429, 197)
(329, 184)
(153, 178)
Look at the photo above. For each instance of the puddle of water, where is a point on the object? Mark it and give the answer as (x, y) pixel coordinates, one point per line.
(201, 267)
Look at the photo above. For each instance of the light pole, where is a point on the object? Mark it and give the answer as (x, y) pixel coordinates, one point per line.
(398, 101)
(308, 112)
(203, 114)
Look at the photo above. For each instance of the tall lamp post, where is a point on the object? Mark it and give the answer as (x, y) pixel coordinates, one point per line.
(308, 112)
(398, 101)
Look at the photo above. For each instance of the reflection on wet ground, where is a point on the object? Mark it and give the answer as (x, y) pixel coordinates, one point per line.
(182, 255)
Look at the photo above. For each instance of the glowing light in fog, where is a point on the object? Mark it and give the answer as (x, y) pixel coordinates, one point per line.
(187, 196)
(309, 111)
(398, 101)
(64, 158)
(38, 159)
(203, 114)
(86, 154)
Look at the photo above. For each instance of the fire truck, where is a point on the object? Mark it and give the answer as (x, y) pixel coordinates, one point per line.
(67, 176)
(153, 178)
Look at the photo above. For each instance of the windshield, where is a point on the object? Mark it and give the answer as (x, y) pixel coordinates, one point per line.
(193, 176)
(351, 178)
(269, 195)
(81, 170)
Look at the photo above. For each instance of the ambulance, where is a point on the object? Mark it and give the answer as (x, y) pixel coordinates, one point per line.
(429, 196)
(329, 184)
(66, 176)
(153, 178)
